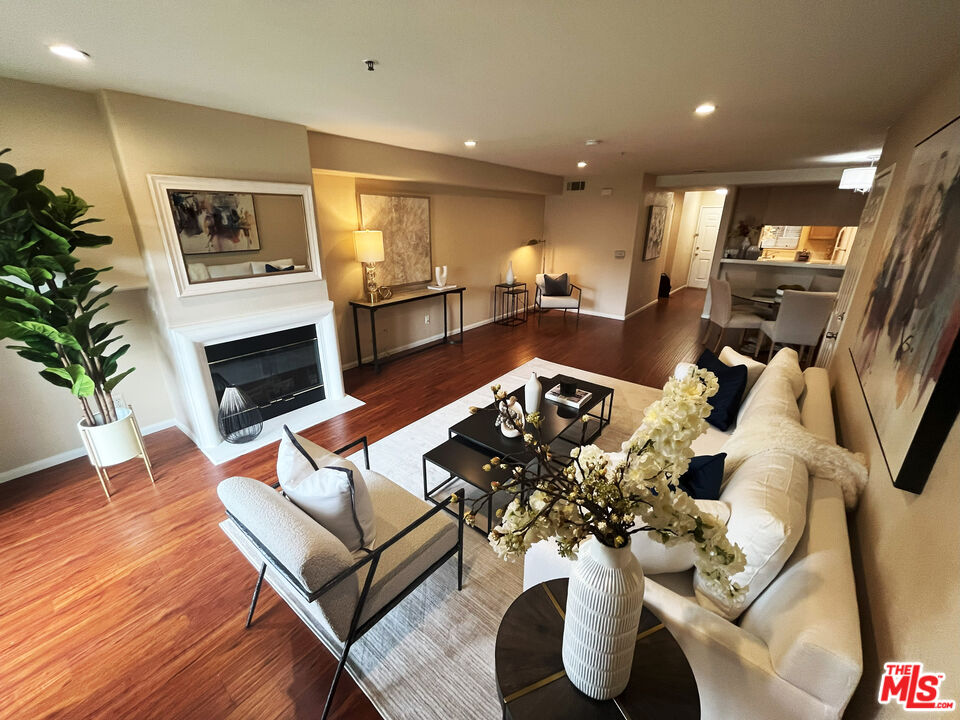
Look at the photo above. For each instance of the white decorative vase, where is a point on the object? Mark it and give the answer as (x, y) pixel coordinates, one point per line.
(531, 394)
(604, 602)
(113, 443)
(510, 276)
(443, 277)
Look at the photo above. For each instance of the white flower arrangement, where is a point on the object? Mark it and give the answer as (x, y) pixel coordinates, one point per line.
(612, 495)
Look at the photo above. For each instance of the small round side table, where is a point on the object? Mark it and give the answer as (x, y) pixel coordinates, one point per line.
(533, 685)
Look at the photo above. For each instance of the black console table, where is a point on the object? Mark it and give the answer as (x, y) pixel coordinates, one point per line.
(400, 299)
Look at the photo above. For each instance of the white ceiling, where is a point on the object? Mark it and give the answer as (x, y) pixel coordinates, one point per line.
(529, 79)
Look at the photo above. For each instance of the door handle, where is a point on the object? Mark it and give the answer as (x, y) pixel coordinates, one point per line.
(831, 335)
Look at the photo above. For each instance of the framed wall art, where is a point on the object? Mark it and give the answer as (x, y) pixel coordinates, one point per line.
(906, 353)
(405, 223)
(656, 224)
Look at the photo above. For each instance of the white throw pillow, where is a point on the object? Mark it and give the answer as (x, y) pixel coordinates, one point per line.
(788, 362)
(329, 488)
(197, 272)
(729, 356)
(784, 368)
(232, 270)
(767, 496)
(655, 557)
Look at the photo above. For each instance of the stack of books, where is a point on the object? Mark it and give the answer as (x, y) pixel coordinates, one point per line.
(577, 400)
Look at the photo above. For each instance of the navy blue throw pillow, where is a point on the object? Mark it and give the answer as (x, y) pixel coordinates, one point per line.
(703, 478)
(732, 381)
(274, 268)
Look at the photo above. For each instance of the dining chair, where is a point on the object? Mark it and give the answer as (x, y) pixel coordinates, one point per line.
(801, 321)
(725, 316)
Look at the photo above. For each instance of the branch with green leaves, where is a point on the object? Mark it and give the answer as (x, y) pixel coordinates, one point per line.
(48, 302)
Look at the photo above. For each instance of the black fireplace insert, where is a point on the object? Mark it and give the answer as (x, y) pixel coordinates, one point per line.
(279, 371)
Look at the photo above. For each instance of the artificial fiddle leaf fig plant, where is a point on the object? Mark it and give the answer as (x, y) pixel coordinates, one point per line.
(48, 302)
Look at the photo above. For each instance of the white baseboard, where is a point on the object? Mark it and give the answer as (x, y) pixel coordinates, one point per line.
(75, 453)
(677, 289)
(642, 308)
(595, 313)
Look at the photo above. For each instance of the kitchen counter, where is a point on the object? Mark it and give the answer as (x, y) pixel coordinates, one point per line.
(822, 267)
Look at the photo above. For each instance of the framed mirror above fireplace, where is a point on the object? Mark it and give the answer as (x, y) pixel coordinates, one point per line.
(223, 235)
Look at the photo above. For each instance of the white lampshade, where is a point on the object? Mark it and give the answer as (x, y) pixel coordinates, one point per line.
(369, 245)
(859, 178)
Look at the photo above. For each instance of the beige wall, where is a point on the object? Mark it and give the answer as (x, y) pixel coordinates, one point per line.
(473, 232)
(63, 132)
(645, 274)
(583, 230)
(159, 136)
(908, 546)
(333, 153)
(816, 204)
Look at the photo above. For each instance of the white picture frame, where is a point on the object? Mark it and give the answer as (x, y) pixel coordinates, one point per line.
(160, 185)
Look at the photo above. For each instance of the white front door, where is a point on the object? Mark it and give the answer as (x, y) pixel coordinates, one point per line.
(704, 243)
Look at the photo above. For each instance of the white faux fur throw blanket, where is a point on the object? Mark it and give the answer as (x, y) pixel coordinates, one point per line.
(772, 423)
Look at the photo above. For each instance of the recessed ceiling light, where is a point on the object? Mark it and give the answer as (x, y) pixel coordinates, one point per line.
(69, 52)
(470, 143)
(705, 109)
(721, 191)
(581, 164)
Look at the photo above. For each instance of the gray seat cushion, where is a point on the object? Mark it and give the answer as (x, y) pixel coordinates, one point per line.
(404, 561)
(314, 555)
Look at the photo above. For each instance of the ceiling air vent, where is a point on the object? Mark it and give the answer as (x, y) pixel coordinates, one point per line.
(576, 185)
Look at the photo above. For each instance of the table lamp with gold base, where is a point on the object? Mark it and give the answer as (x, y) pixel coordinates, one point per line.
(369, 247)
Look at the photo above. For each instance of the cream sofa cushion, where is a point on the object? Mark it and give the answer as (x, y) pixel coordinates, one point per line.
(655, 557)
(755, 368)
(767, 496)
(329, 488)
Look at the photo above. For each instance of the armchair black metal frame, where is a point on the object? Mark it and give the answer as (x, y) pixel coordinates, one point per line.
(357, 629)
(540, 310)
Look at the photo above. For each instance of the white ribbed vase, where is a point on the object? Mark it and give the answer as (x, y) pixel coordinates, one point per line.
(604, 602)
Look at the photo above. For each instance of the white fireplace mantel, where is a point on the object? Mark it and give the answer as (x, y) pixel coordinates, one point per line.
(189, 340)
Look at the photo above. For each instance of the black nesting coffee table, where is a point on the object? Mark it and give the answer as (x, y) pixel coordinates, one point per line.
(534, 686)
(474, 440)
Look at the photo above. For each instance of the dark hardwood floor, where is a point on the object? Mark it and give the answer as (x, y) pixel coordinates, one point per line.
(135, 607)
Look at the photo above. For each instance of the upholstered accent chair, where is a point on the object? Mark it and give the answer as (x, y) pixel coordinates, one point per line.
(566, 301)
(340, 595)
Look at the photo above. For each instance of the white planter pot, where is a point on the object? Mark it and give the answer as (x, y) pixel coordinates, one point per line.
(604, 602)
(114, 442)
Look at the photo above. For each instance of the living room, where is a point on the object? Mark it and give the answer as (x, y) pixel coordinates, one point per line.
(553, 196)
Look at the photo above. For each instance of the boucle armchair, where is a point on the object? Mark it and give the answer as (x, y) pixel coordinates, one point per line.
(340, 595)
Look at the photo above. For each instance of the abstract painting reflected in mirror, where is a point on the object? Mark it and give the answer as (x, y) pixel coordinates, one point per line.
(214, 222)
(906, 352)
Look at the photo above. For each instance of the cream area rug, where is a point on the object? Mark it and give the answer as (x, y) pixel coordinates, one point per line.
(432, 656)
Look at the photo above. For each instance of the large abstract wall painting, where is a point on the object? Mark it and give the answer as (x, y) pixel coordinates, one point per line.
(405, 224)
(907, 353)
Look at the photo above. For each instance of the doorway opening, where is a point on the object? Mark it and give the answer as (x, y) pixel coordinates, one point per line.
(696, 239)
